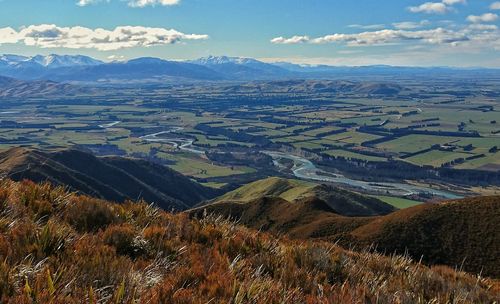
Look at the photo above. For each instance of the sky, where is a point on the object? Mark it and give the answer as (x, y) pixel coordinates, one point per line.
(462, 33)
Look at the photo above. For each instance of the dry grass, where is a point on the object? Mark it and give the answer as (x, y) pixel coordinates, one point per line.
(57, 247)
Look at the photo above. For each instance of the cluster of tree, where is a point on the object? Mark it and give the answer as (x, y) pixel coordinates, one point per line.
(252, 158)
(233, 135)
(394, 169)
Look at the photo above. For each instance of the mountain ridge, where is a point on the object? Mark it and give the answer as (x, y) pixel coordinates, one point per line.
(212, 68)
(113, 178)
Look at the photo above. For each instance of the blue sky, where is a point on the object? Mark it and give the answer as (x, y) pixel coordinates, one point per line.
(337, 32)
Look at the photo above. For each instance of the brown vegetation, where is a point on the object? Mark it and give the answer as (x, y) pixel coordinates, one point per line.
(57, 247)
(461, 234)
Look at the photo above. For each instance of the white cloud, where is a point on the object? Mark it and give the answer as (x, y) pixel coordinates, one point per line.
(89, 2)
(143, 3)
(368, 27)
(488, 17)
(78, 37)
(453, 2)
(430, 8)
(436, 7)
(133, 3)
(482, 27)
(8, 35)
(387, 36)
(434, 36)
(476, 35)
(291, 40)
(495, 5)
(116, 57)
(409, 25)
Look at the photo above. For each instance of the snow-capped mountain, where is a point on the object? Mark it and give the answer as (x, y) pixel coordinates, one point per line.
(78, 68)
(42, 67)
(9, 59)
(241, 68)
(214, 60)
(50, 61)
(59, 61)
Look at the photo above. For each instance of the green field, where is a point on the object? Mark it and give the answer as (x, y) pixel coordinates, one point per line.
(436, 158)
(398, 202)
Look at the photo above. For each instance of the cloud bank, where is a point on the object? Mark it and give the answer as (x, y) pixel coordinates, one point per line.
(477, 35)
(78, 37)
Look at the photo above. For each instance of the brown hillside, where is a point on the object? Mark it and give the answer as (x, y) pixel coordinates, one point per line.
(112, 178)
(57, 247)
(309, 217)
(460, 233)
(463, 232)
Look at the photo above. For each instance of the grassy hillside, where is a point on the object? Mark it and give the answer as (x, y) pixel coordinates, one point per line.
(459, 233)
(113, 178)
(462, 233)
(287, 189)
(306, 218)
(340, 201)
(398, 202)
(57, 247)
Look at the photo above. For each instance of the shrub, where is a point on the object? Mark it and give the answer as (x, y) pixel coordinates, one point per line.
(89, 215)
(125, 240)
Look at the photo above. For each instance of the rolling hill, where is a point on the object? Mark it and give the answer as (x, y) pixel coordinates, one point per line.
(304, 219)
(460, 233)
(14, 88)
(339, 201)
(298, 85)
(113, 178)
(58, 247)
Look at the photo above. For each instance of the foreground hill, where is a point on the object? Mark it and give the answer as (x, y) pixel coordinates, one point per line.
(113, 178)
(304, 219)
(461, 233)
(340, 201)
(57, 247)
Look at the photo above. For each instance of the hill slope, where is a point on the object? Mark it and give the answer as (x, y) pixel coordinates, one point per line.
(462, 232)
(112, 178)
(13, 88)
(459, 233)
(305, 218)
(340, 201)
(57, 247)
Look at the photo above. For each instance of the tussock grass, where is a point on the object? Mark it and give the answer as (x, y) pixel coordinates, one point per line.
(58, 247)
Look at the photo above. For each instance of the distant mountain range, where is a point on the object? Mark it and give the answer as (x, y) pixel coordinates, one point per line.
(78, 68)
